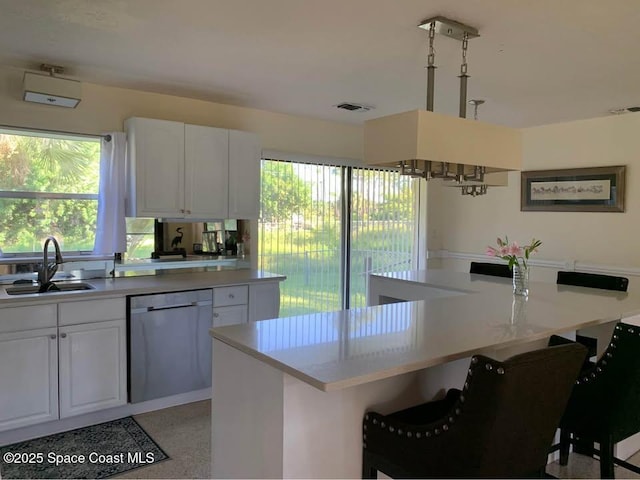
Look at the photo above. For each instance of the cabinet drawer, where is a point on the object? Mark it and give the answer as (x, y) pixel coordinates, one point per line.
(74, 313)
(236, 295)
(234, 315)
(28, 318)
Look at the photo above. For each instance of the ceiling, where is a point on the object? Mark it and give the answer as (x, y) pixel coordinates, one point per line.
(536, 61)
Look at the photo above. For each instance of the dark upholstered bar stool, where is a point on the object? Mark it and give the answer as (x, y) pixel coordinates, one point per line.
(493, 269)
(605, 404)
(592, 280)
(500, 425)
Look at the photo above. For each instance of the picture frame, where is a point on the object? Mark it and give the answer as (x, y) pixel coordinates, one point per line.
(596, 189)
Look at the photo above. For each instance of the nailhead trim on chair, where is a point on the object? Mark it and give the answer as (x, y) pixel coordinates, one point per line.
(444, 427)
(608, 355)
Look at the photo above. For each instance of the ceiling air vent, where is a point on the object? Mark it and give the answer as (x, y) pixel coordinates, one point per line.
(354, 107)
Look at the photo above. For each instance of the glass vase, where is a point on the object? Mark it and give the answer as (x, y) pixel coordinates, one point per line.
(520, 280)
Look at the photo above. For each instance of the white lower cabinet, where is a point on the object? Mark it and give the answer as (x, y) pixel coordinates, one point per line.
(60, 360)
(93, 367)
(264, 301)
(245, 303)
(28, 377)
(234, 315)
(230, 305)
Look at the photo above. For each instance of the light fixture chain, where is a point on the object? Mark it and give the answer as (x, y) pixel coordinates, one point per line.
(465, 44)
(431, 57)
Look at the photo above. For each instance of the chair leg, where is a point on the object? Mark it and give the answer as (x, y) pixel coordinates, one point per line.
(368, 470)
(583, 447)
(606, 458)
(565, 443)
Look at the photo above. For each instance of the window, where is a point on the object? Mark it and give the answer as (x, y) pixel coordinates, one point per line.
(326, 227)
(140, 237)
(48, 186)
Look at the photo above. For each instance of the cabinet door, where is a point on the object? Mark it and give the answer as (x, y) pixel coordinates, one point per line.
(244, 174)
(206, 155)
(264, 301)
(28, 377)
(93, 367)
(235, 315)
(155, 151)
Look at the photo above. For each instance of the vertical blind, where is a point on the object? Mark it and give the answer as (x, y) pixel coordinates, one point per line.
(304, 231)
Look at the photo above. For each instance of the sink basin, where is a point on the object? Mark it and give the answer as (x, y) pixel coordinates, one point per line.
(62, 287)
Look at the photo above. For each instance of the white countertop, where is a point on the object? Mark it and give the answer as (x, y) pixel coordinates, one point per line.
(163, 281)
(336, 350)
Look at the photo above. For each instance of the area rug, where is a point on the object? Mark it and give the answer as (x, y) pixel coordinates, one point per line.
(98, 451)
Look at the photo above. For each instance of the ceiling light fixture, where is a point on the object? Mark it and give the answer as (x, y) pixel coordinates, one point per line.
(50, 89)
(428, 145)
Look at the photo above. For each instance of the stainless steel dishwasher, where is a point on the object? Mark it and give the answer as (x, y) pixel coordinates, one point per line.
(169, 343)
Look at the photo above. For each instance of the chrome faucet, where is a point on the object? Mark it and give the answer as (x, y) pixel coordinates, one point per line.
(48, 270)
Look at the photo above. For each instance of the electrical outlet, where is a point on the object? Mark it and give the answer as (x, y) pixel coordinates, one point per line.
(570, 265)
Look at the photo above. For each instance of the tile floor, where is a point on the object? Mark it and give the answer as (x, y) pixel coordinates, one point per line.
(183, 432)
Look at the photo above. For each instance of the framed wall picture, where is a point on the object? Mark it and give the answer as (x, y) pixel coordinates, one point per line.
(598, 189)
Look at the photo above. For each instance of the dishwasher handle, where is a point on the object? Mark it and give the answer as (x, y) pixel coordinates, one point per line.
(170, 307)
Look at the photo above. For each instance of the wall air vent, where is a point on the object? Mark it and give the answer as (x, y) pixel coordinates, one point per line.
(354, 107)
(51, 90)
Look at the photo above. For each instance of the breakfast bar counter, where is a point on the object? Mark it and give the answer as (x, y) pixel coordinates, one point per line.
(289, 399)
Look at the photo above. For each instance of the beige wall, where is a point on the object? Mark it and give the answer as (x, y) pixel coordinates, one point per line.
(105, 108)
(463, 224)
(456, 223)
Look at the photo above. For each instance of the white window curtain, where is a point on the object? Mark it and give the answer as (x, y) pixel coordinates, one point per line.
(111, 228)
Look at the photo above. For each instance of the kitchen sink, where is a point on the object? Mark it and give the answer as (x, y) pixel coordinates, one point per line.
(59, 288)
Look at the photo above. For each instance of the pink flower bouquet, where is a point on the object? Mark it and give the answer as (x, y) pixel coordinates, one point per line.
(514, 253)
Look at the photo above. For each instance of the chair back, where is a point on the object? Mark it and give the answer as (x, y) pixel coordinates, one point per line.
(493, 269)
(607, 397)
(592, 280)
(510, 410)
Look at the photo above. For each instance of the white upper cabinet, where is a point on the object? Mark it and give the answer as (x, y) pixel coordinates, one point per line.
(191, 172)
(206, 153)
(155, 151)
(244, 173)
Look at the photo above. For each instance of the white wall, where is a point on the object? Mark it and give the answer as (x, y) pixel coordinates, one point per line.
(105, 108)
(468, 225)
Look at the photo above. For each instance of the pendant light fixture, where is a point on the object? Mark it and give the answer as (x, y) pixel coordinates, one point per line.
(428, 145)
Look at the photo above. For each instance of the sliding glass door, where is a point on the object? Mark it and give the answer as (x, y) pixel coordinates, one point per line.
(326, 227)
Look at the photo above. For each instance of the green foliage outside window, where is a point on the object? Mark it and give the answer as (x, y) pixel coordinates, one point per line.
(40, 178)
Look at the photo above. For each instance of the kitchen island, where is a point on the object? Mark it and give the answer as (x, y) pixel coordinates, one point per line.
(290, 399)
